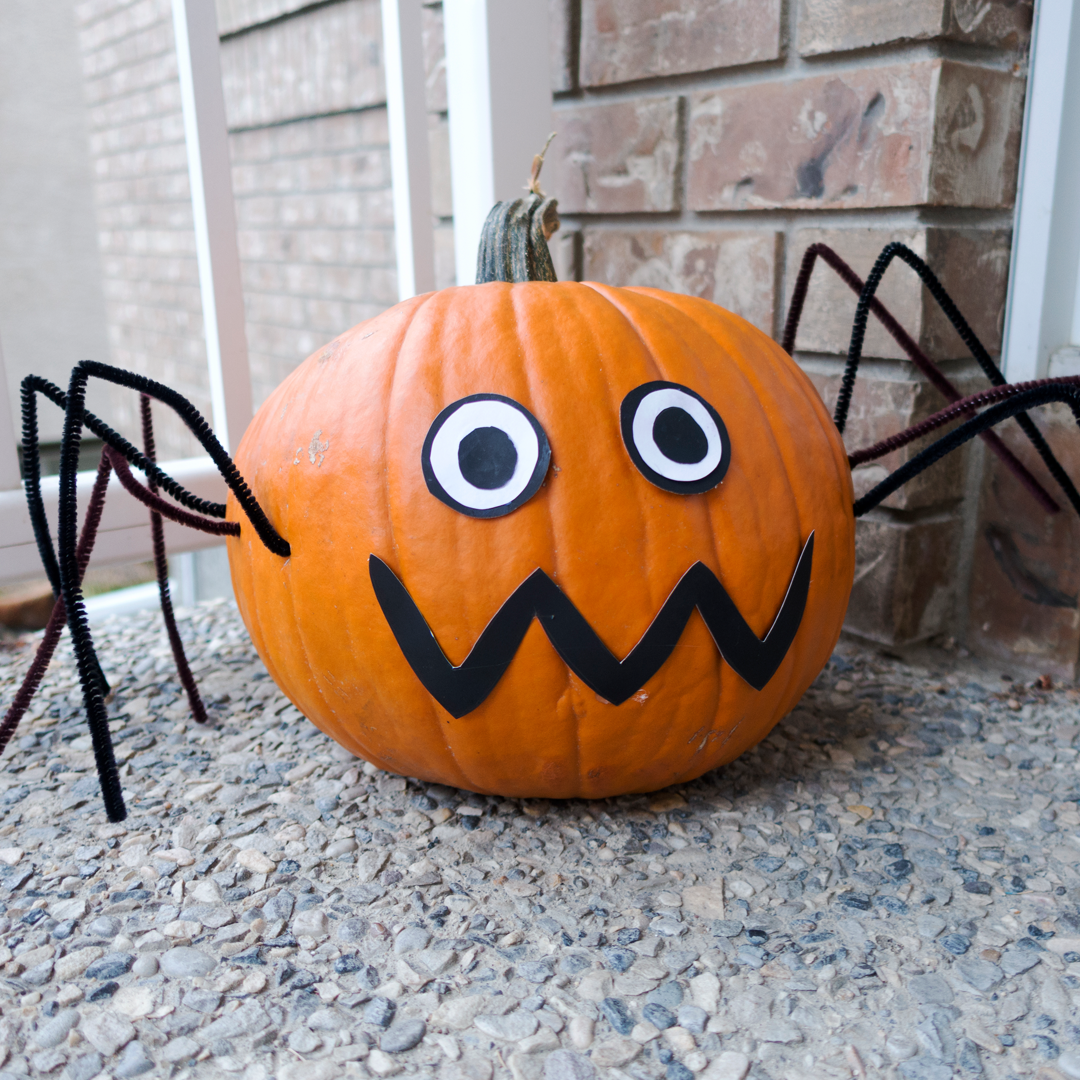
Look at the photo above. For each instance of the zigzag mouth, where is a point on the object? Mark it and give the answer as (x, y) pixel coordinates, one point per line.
(464, 688)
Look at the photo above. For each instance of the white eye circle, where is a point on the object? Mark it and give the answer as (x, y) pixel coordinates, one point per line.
(675, 437)
(485, 455)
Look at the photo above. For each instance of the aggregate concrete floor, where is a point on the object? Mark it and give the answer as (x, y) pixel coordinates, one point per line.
(886, 887)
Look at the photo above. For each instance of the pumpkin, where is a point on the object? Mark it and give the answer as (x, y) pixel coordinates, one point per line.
(494, 493)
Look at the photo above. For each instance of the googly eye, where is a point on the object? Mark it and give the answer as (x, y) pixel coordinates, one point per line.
(485, 455)
(675, 437)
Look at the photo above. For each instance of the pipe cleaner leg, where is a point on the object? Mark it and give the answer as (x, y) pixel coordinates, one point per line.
(30, 388)
(64, 563)
(71, 591)
(1005, 401)
(967, 335)
(58, 618)
(161, 565)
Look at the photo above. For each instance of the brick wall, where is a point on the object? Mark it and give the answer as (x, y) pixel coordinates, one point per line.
(704, 144)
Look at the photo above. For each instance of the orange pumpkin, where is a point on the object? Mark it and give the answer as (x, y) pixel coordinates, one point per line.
(370, 459)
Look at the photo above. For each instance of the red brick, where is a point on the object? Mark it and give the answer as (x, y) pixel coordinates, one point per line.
(1005, 23)
(624, 40)
(926, 133)
(905, 579)
(1025, 577)
(735, 269)
(617, 158)
(976, 137)
(837, 25)
(973, 265)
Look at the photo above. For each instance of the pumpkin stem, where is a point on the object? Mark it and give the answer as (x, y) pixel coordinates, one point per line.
(513, 243)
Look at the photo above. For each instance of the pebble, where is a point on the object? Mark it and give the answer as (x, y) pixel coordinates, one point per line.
(203, 1001)
(53, 1032)
(615, 1052)
(566, 1065)
(255, 861)
(982, 974)
(1069, 1064)
(312, 923)
(730, 1065)
(105, 926)
(185, 962)
(75, 963)
(145, 966)
(618, 1015)
(134, 1001)
(106, 1032)
(728, 928)
(658, 1016)
(693, 1019)
(511, 1027)
(929, 926)
(380, 1011)
(957, 944)
(303, 1041)
(110, 966)
(836, 890)
(931, 989)
(581, 1030)
(133, 1061)
(402, 1035)
(84, 1067)
(411, 939)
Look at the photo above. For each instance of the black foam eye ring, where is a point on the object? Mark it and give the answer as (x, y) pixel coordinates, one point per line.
(675, 438)
(485, 455)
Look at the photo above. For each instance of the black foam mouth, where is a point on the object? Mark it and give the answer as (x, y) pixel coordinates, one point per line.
(461, 689)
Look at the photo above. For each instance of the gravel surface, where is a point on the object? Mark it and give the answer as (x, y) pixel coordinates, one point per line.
(886, 887)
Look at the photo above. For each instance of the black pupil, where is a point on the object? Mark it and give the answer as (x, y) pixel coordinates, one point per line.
(487, 457)
(679, 436)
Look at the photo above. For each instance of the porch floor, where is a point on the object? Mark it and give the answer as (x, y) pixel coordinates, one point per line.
(888, 886)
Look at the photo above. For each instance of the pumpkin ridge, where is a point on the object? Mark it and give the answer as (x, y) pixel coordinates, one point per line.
(798, 386)
(631, 315)
(330, 713)
(792, 374)
(605, 291)
(755, 400)
(434, 719)
(517, 300)
(684, 326)
(576, 688)
(299, 630)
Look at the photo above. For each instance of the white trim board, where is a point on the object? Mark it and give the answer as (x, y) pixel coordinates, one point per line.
(124, 535)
